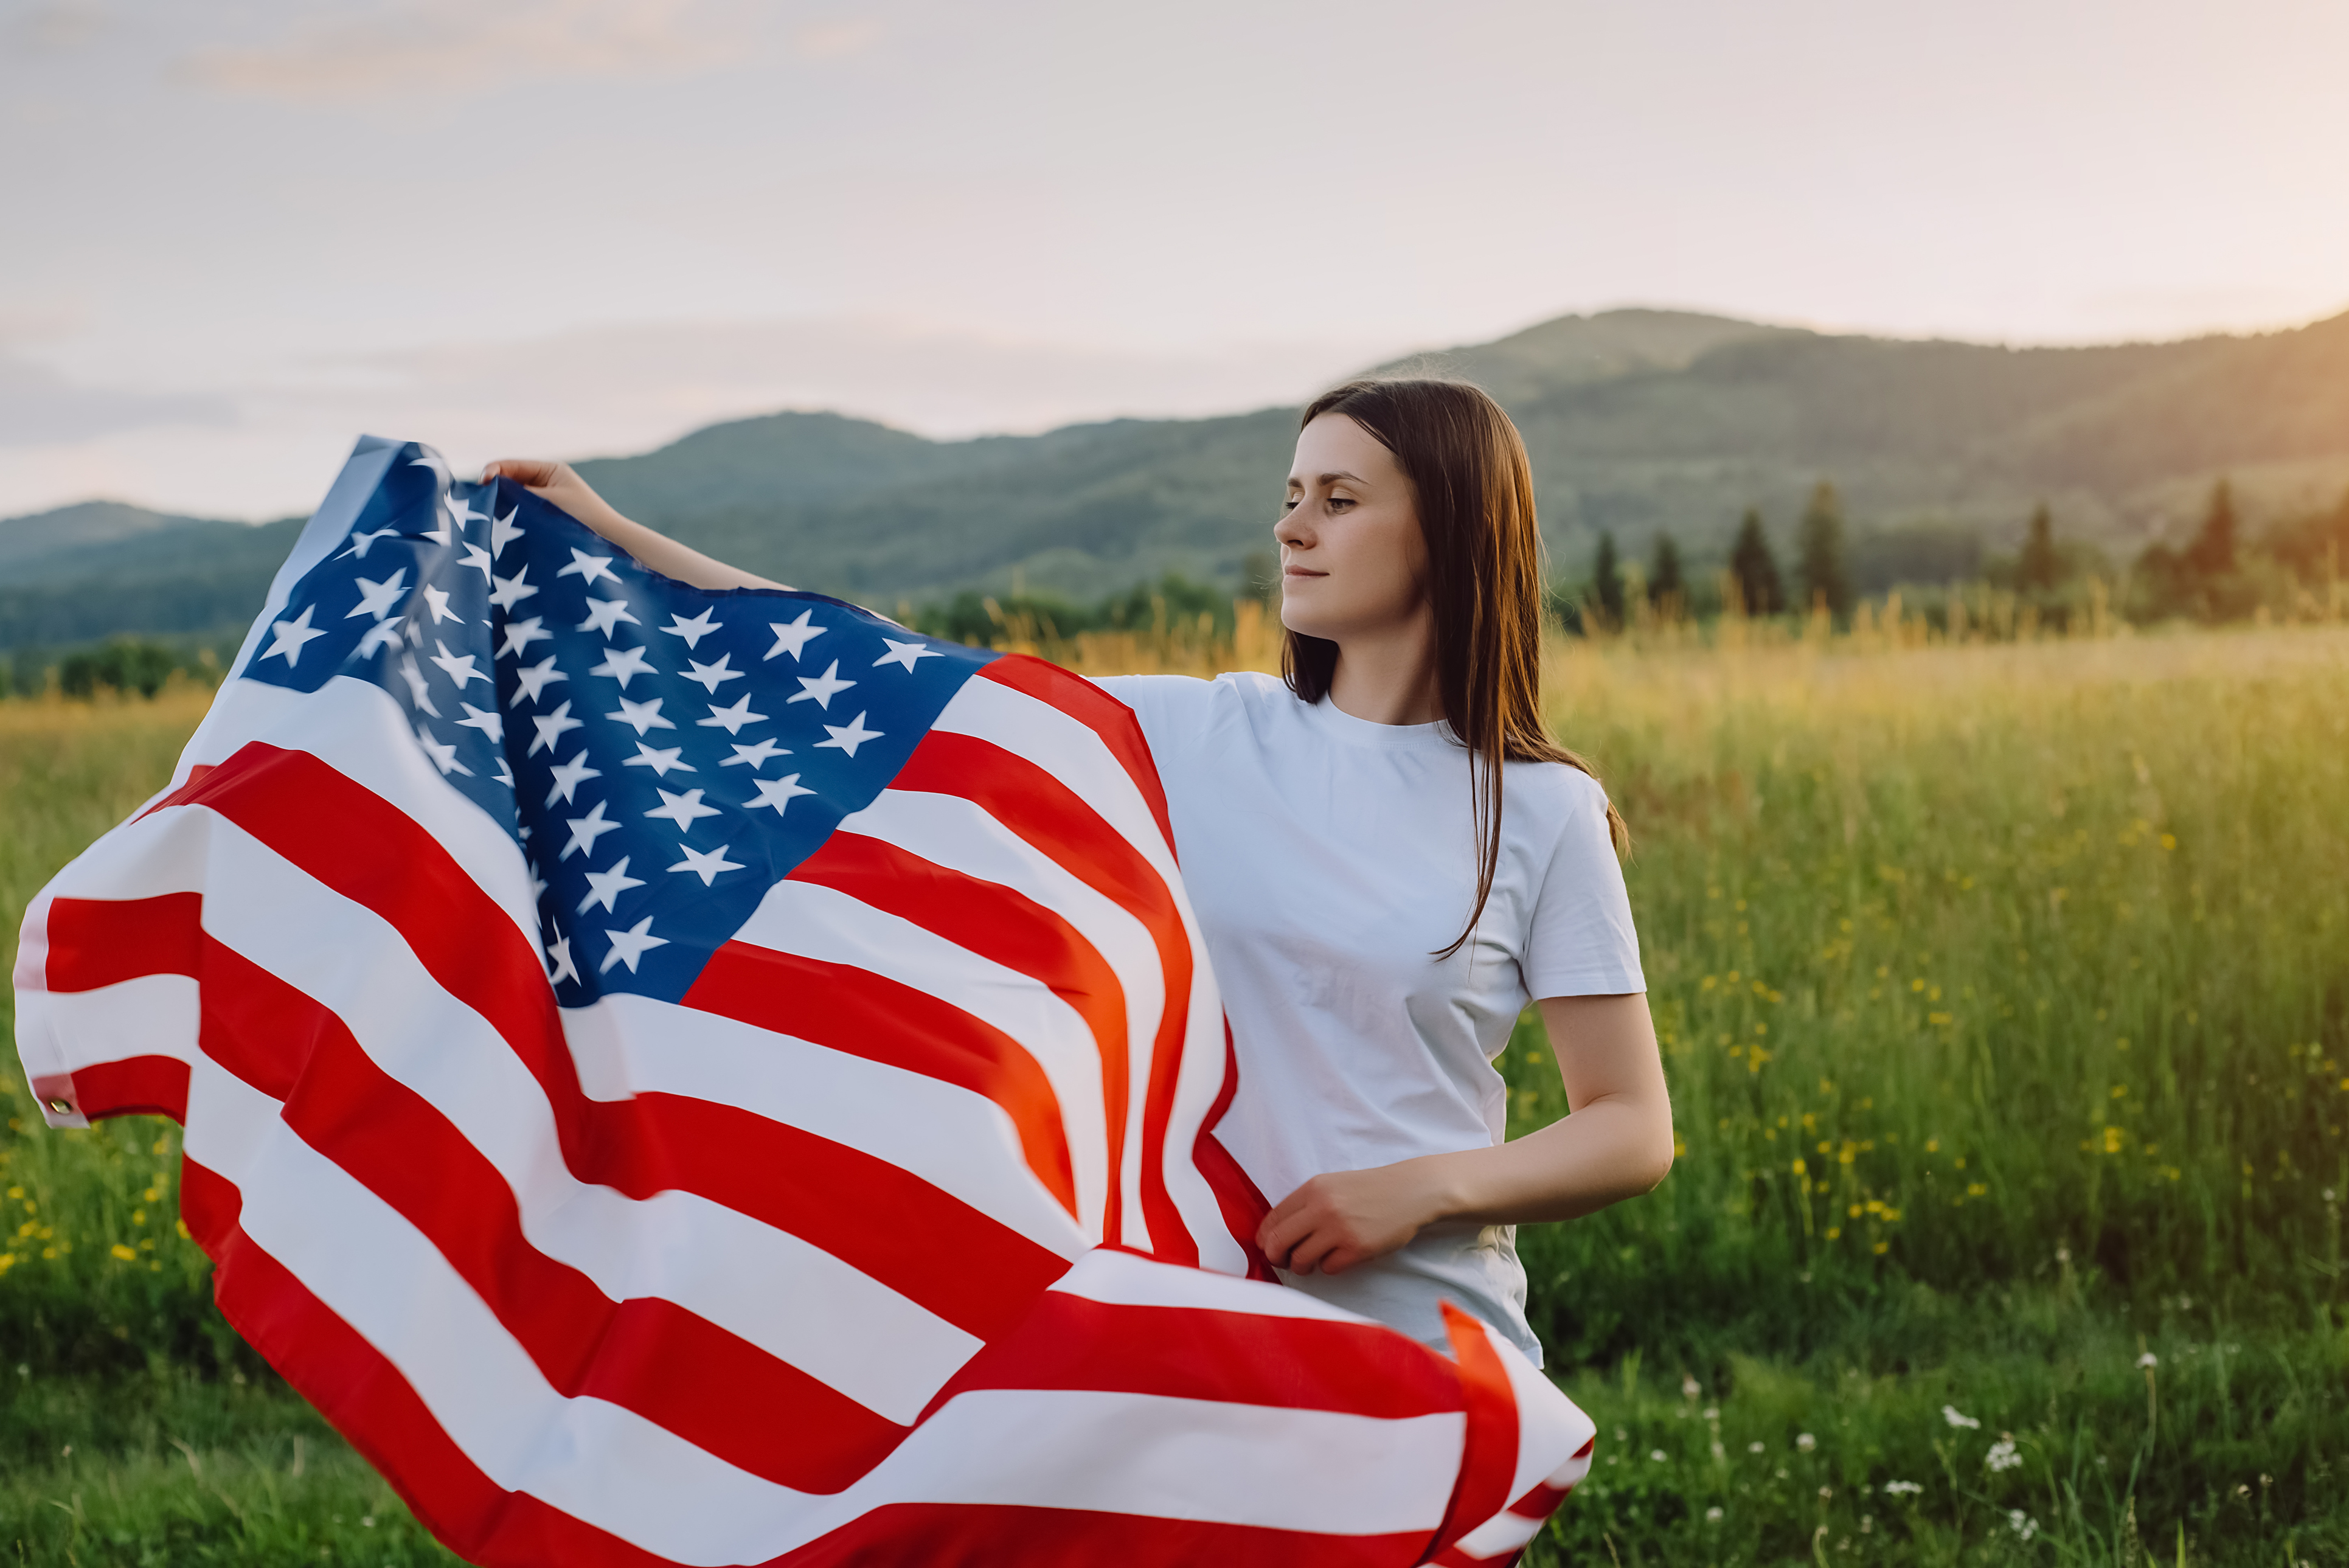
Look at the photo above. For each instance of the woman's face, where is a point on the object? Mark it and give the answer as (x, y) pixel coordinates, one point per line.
(1352, 560)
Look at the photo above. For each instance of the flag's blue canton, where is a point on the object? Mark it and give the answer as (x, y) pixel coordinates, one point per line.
(662, 753)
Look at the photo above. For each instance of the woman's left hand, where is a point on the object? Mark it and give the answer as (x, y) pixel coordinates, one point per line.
(1347, 1217)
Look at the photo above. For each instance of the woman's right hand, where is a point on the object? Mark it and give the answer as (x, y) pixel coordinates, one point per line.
(559, 485)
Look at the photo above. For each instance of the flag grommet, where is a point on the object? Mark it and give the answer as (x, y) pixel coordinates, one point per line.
(60, 1106)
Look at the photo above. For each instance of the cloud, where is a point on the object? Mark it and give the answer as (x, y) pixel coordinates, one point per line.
(397, 47)
(39, 407)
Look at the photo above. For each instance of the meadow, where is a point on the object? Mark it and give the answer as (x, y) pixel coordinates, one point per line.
(2003, 987)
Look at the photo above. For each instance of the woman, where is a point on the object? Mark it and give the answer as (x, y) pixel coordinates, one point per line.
(1389, 856)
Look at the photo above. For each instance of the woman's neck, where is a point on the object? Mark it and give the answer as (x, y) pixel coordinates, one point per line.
(1389, 676)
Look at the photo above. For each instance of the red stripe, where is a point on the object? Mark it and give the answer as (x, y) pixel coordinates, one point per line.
(1006, 927)
(1072, 1342)
(1488, 1463)
(135, 1086)
(181, 795)
(1097, 711)
(1238, 1198)
(968, 1535)
(861, 1014)
(101, 942)
(1054, 820)
(960, 1264)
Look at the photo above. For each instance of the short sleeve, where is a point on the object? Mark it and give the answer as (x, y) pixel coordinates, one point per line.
(1582, 943)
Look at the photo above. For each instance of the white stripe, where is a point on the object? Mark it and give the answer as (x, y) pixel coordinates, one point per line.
(1120, 1279)
(152, 1016)
(1550, 1427)
(833, 927)
(957, 1140)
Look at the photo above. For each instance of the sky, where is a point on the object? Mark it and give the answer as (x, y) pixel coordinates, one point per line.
(238, 236)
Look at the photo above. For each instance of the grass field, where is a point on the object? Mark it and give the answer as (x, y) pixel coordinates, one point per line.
(2004, 991)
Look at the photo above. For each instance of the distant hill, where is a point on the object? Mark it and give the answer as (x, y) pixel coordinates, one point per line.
(1637, 421)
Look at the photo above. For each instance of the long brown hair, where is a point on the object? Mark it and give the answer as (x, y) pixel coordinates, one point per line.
(1474, 490)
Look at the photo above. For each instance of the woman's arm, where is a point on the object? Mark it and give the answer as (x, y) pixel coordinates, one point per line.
(1618, 1143)
(559, 485)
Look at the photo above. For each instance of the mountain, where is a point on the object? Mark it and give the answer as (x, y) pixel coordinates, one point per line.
(1638, 421)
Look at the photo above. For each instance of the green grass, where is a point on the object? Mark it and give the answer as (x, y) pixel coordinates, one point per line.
(1900, 910)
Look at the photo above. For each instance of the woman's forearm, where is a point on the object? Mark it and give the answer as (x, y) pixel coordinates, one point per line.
(1608, 1150)
(560, 486)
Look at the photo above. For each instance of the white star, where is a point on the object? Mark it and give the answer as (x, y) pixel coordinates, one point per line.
(778, 792)
(692, 631)
(707, 867)
(848, 737)
(550, 726)
(631, 944)
(510, 591)
(791, 636)
(437, 598)
(477, 557)
(443, 755)
(460, 513)
(293, 636)
(604, 887)
(490, 724)
(505, 775)
(731, 720)
(569, 776)
(713, 675)
(756, 756)
(382, 633)
(560, 956)
(520, 634)
(460, 667)
(536, 679)
(606, 616)
(585, 830)
(821, 689)
(662, 763)
(906, 654)
(537, 883)
(420, 690)
(683, 809)
(362, 542)
(376, 598)
(589, 568)
(432, 459)
(503, 531)
(624, 665)
(642, 716)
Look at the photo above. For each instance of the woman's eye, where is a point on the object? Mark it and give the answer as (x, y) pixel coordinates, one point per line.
(1340, 503)
(1288, 505)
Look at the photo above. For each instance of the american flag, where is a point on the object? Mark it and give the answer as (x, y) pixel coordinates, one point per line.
(684, 1077)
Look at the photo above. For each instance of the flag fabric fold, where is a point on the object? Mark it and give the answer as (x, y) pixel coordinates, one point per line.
(704, 1078)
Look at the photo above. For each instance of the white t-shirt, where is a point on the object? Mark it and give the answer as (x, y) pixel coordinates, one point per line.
(1328, 858)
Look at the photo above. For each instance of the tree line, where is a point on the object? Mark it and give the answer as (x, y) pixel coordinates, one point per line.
(2220, 574)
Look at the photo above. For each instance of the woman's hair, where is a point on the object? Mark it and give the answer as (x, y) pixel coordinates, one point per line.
(1474, 491)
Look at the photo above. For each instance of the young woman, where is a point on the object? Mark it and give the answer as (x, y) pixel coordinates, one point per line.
(1389, 856)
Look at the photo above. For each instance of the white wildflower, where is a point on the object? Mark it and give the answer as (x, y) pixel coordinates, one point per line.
(1712, 1412)
(2148, 1359)
(1712, 1515)
(1689, 1390)
(1901, 1489)
(1805, 1442)
(1826, 1492)
(1949, 1413)
(1754, 1447)
(2002, 1455)
(1657, 1455)
(2021, 1523)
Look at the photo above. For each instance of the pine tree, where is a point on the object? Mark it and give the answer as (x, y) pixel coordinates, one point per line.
(2212, 553)
(2040, 567)
(1752, 562)
(1826, 577)
(1666, 586)
(1607, 580)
